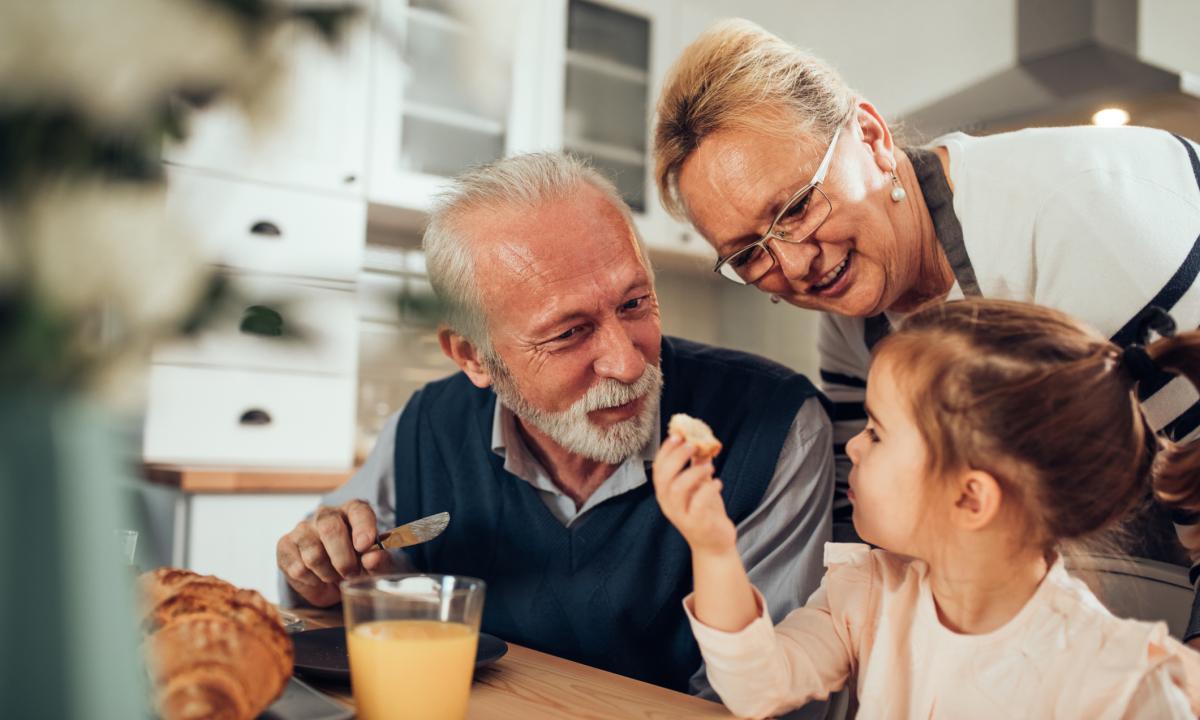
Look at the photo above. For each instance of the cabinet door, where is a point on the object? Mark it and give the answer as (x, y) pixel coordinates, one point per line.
(234, 536)
(314, 133)
(677, 242)
(613, 57)
(444, 90)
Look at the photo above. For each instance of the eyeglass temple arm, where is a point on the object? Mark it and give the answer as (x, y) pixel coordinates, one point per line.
(820, 176)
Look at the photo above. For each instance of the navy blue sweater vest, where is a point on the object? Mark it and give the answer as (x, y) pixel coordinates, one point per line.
(606, 592)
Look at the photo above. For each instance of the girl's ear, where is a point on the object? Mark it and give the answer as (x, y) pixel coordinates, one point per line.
(978, 500)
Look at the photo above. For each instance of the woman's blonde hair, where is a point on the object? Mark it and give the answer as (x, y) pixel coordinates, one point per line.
(737, 75)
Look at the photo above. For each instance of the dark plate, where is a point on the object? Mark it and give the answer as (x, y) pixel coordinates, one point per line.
(321, 654)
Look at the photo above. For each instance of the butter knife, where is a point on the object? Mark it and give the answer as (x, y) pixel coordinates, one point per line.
(415, 532)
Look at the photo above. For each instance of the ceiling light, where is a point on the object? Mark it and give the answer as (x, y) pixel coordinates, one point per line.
(1111, 117)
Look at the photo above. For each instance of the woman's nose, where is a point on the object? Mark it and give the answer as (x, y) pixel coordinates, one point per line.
(794, 259)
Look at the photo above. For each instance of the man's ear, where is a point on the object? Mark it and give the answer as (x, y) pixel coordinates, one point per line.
(978, 500)
(465, 355)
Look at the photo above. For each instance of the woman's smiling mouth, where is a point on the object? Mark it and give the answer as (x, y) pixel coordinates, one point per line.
(829, 282)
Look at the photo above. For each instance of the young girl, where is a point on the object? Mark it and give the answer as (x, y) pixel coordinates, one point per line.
(997, 431)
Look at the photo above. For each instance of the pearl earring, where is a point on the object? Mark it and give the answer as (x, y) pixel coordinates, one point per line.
(898, 193)
(774, 299)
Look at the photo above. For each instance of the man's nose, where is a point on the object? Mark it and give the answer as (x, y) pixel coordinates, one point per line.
(619, 356)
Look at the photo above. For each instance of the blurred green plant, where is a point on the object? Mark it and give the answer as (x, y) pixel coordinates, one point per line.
(91, 272)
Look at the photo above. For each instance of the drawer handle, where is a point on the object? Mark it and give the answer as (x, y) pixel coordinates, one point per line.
(255, 416)
(261, 320)
(266, 228)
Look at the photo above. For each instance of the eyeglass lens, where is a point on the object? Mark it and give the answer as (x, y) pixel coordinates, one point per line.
(795, 224)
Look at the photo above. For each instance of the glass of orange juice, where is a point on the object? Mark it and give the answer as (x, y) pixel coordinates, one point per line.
(412, 644)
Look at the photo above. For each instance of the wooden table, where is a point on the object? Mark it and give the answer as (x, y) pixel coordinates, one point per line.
(529, 685)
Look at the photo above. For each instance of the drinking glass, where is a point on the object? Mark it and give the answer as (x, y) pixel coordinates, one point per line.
(412, 641)
(126, 541)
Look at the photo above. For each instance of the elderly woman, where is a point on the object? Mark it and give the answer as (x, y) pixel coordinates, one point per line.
(798, 184)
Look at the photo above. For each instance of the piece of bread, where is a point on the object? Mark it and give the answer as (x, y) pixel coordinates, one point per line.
(213, 650)
(697, 433)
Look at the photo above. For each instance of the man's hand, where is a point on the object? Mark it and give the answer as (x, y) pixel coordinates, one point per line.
(690, 497)
(335, 544)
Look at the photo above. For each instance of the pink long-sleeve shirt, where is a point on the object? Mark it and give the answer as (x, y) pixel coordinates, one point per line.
(1062, 656)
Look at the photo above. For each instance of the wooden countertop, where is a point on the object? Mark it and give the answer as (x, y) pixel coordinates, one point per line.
(233, 480)
(530, 685)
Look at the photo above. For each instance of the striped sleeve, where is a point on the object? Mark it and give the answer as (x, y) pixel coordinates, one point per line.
(844, 363)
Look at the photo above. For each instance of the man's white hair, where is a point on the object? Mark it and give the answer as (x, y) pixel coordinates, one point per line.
(523, 182)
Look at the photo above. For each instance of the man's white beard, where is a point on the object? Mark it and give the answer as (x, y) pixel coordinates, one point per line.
(572, 429)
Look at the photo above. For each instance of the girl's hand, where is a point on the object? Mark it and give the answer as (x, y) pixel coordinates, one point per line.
(690, 497)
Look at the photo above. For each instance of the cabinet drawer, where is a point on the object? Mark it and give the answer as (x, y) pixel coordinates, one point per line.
(268, 229)
(320, 331)
(204, 416)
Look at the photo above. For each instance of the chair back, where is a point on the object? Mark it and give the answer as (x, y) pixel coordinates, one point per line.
(1138, 588)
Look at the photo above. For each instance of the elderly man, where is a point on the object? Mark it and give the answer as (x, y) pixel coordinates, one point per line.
(539, 448)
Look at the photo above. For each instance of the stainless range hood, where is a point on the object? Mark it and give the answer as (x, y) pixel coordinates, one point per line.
(1073, 57)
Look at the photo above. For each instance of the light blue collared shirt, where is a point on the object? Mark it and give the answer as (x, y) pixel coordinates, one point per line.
(781, 542)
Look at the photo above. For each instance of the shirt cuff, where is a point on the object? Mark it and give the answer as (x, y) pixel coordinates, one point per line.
(733, 649)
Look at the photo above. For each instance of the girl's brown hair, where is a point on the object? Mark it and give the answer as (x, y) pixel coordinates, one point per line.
(1047, 406)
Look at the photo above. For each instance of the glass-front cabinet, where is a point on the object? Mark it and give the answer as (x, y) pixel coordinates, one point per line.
(446, 76)
(613, 57)
(607, 94)
(456, 83)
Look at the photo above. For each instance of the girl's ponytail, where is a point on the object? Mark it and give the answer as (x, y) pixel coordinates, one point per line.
(1176, 475)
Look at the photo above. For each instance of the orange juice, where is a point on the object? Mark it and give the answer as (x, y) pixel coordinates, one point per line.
(411, 669)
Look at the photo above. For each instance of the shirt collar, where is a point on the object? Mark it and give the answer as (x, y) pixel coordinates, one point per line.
(508, 444)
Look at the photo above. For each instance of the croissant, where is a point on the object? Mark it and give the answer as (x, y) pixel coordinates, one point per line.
(213, 650)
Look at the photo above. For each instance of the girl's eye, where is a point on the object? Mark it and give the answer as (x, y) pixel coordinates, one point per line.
(874, 436)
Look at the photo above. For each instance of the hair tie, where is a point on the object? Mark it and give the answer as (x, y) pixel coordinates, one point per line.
(1138, 363)
(1134, 358)
(1156, 319)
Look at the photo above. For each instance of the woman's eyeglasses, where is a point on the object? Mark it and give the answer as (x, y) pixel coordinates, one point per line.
(795, 222)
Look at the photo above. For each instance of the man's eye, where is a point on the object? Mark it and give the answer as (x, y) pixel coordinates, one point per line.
(568, 334)
(633, 304)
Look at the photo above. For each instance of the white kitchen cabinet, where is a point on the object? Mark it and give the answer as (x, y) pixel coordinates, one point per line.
(454, 84)
(312, 133)
(611, 57)
(278, 205)
(228, 417)
(315, 324)
(261, 228)
(233, 536)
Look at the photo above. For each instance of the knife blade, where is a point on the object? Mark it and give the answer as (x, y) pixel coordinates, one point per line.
(415, 532)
